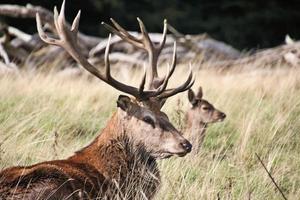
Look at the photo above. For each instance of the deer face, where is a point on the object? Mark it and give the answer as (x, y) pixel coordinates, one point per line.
(146, 125)
(202, 111)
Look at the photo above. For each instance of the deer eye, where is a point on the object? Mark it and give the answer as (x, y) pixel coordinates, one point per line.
(149, 120)
(205, 108)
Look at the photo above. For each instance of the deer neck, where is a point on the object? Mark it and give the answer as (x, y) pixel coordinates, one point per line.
(193, 126)
(195, 132)
(112, 152)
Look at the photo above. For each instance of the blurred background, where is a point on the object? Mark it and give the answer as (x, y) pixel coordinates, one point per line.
(243, 24)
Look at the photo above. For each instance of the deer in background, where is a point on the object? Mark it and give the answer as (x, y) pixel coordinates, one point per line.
(198, 117)
(121, 162)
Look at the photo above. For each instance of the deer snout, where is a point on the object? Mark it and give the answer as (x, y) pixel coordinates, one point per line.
(178, 145)
(222, 115)
(186, 145)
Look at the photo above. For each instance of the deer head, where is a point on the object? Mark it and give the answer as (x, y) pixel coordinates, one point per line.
(140, 115)
(146, 125)
(202, 111)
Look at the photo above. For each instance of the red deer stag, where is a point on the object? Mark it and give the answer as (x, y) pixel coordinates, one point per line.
(198, 117)
(121, 162)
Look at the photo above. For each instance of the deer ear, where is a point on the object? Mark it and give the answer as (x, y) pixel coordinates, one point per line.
(200, 93)
(192, 98)
(124, 102)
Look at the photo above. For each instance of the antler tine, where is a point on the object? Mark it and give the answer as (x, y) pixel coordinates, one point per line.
(61, 22)
(170, 71)
(155, 81)
(42, 33)
(146, 38)
(142, 84)
(75, 24)
(174, 59)
(61, 15)
(106, 58)
(109, 77)
(164, 36)
(185, 86)
(164, 84)
(172, 92)
(55, 17)
(124, 36)
(123, 31)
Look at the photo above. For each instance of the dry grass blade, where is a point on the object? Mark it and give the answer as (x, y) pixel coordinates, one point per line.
(270, 175)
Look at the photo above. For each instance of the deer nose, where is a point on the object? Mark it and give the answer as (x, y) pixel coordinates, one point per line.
(187, 146)
(223, 115)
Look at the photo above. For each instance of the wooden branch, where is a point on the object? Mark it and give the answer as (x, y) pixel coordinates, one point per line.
(27, 11)
(287, 53)
(19, 34)
(101, 46)
(273, 180)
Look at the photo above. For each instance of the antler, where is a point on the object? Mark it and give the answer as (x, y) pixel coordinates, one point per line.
(68, 40)
(143, 43)
(153, 51)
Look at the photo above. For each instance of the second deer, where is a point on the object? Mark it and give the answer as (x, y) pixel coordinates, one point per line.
(198, 117)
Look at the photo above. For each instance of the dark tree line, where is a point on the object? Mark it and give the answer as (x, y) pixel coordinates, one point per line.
(241, 23)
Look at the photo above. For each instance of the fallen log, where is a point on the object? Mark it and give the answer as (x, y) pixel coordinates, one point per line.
(286, 54)
(29, 11)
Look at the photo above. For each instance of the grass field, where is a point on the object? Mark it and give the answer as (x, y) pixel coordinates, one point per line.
(45, 117)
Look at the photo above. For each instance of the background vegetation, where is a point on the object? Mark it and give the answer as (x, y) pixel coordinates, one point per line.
(45, 117)
(241, 23)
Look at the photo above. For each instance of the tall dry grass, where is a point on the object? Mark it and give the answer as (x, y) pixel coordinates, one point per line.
(45, 117)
